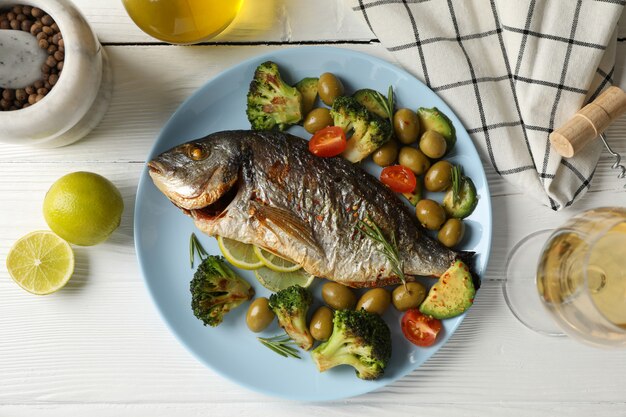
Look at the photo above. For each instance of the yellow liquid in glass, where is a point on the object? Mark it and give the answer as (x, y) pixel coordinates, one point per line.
(182, 21)
(571, 260)
(606, 275)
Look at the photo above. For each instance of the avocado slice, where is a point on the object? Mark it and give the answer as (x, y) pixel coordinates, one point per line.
(467, 200)
(414, 196)
(433, 119)
(370, 100)
(452, 295)
(308, 88)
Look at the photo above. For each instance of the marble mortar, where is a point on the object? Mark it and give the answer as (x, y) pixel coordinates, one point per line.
(80, 98)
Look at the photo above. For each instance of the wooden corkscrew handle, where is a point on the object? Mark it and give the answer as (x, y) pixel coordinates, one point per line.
(589, 122)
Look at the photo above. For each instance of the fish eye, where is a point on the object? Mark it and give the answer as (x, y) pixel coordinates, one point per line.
(197, 152)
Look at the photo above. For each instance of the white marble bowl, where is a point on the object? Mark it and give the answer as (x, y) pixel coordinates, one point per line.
(80, 98)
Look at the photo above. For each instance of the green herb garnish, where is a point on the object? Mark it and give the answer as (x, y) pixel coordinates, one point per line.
(389, 248)
(457, 181)
(281, 344)
(196, 247)
(386, 103)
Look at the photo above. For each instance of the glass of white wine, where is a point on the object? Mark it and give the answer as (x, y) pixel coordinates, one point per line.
(579, 280)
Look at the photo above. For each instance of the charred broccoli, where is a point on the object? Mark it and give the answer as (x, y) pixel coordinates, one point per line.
(369, 132)
(291, 306)
(359, 339)
(271, 101)
(216, 289)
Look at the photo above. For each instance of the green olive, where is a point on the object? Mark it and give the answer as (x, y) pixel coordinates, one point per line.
(376, 300)
(439, 176)
(406, 126)
(430, 214)
(451, 232)
(414, 160)
(317, 119)
(338, 296)
(321, 326)
(386, 155)
(329, 88)
(433, 144)
(259, 315)
(408, 296)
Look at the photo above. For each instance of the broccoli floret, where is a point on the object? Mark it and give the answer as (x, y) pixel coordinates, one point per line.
(359, 339)
(376, 135)
(369, 132)
(349, 114)
(271, 101)
(216, 289)
(291, 306)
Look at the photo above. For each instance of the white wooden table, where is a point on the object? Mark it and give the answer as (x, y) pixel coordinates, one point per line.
(98, 347)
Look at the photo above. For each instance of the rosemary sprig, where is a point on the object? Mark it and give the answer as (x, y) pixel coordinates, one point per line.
(389, 248)
(386, 103)
(391, 104)
(192, 250)
(457, 181)
(196, 247)
(281, 344)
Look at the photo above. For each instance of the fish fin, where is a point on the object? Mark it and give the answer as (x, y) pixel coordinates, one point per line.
(288, 223)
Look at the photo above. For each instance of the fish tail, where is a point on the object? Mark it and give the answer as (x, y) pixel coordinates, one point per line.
(467, 257)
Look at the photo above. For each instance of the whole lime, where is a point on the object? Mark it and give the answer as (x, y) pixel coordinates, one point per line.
(83, 208)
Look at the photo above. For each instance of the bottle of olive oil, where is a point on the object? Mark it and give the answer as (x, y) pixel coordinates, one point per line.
(182, 21)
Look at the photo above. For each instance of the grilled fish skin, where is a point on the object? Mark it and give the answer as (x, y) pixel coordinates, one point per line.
(267, 189)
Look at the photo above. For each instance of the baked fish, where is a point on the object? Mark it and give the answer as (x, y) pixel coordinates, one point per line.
(267, 189)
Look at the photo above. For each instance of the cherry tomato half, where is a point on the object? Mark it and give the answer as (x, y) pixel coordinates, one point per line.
(330, 141)
(419, 329)
(399, 178)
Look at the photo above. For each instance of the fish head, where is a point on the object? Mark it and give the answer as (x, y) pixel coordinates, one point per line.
(199, 176)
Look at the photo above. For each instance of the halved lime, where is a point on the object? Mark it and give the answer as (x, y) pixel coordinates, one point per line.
(41, 262)
(276, 281)
(275, 262)
(239, 254)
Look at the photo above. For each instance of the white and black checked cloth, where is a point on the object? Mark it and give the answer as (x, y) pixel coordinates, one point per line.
(513, 71)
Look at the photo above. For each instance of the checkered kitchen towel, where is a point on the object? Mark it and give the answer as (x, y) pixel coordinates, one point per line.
(513, 71)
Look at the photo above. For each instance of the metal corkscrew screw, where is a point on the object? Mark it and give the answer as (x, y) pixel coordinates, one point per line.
(589, 123)
(618, 158)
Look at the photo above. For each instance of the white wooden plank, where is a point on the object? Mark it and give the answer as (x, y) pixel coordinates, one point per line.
(99, 348)
(100, 341)
(150, 83)
(23, 187)
(139, 108)
(258, 21)
(269, 20)
(217, 409)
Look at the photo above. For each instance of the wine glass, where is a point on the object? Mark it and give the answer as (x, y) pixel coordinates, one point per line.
(578, 287)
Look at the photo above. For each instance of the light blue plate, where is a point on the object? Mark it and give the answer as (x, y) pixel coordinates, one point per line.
(162, 231)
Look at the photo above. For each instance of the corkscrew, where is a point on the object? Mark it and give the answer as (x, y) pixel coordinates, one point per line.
(589, 123)
(618, 158)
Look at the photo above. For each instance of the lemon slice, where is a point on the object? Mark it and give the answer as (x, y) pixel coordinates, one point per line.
(275, 262)
(276, 281)
(41, 262)
(239, 254)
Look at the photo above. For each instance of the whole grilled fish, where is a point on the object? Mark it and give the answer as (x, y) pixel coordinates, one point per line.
(267, 189)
